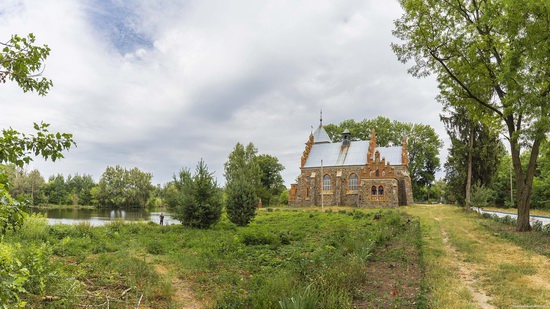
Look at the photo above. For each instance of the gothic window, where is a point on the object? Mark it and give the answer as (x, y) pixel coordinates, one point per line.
(326, 183)
(373, 190)
(353, 182)
(381, 191)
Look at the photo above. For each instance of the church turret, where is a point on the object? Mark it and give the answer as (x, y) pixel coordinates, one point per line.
(320, 135)
(346, 138)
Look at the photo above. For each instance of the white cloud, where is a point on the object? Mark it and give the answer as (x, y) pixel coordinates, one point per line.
(160, 85)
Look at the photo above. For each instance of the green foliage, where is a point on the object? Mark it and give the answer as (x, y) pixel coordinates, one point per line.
(243, 182)
(173, 190)
(12, 278)
(481, 195)
(491, 58)
(272, 183)
(18, 148)
(120, 187)
(241, 201)
(487, 151)
(200, 203)
(21, 61)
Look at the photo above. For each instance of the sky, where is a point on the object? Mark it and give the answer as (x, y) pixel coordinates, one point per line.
(160, 85)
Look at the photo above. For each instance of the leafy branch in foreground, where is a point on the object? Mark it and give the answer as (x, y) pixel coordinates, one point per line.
(18, 148)
(21, 61)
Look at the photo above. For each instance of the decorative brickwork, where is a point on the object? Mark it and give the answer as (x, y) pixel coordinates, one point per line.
(375, 183)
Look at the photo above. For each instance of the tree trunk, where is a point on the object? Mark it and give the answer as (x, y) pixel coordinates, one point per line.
(469, 175)
(524, 182)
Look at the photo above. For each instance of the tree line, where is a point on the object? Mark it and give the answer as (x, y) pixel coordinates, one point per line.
(119, 187)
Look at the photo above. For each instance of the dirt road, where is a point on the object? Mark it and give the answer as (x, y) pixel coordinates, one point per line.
(469, 267)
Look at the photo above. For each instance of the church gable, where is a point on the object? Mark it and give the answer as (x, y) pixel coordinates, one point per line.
(352, 173)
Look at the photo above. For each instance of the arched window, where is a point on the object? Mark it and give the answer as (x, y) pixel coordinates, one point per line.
(353, 182)
(381, 191)
(326, 183)
(373, 190)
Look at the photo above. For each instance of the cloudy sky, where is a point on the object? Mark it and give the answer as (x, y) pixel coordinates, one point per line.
(160, 84)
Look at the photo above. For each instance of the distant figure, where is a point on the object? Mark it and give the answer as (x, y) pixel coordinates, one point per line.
(161, 218)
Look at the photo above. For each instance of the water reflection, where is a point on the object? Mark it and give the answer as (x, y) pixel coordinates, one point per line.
(97, 217)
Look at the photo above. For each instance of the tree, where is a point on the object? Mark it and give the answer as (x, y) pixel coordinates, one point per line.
(18, 59)
(119, 187)
(79, 188)
(474, 155)
(201, 201)
(271, 181)
(422, 142)
(492, 58)
(243, 181)
(56, 190)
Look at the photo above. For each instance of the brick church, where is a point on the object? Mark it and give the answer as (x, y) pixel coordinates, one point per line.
(352, 173)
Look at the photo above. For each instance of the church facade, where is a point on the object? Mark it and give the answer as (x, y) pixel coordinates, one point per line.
(352, 173)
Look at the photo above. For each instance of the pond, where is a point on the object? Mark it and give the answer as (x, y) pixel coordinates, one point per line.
(97, 217)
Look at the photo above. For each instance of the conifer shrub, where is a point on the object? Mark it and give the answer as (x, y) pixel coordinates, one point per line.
(200, 203)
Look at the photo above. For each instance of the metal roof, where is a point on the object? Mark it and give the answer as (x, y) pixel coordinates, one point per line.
(391, 154)
(333, 154)
(321, 136)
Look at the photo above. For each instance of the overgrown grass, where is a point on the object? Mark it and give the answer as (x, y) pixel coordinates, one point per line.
(468, 259)
(286, 258)
(537, 240)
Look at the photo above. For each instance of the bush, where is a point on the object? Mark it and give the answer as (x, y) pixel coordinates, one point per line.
(258, 237)
(480, 195)
(13, 277)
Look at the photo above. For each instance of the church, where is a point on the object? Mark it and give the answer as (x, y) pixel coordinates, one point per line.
(351, 173)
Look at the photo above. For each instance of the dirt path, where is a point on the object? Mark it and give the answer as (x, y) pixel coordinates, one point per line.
(183, 295)
(467, 273)
(469, 267)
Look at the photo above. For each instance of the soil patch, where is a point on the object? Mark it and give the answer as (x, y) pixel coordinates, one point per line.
(394, 275)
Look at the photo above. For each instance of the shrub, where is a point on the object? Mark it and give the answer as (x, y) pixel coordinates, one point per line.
(480, 195)
(258, 237)
(13, 277)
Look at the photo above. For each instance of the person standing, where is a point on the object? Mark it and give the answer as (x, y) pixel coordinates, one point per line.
(161, 218)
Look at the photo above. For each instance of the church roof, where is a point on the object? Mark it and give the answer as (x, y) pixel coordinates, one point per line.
(321, 136)
(333, 154)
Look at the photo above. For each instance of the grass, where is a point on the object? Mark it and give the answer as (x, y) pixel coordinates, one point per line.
(286, 258)
(470, 264)
(533, 212)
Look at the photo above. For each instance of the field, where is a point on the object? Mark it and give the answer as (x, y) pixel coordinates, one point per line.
(472, 262)
(424, 256)
(284, 259)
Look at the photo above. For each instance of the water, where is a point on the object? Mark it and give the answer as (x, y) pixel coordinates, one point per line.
(97, 217)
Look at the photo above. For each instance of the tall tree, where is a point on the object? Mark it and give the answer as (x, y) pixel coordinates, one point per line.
(271, 181)
(243, 179)
(492, 57)
(423, 144)
(201, 201)
(474, 155)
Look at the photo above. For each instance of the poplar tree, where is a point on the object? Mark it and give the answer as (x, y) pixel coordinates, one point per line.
(242, 175)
